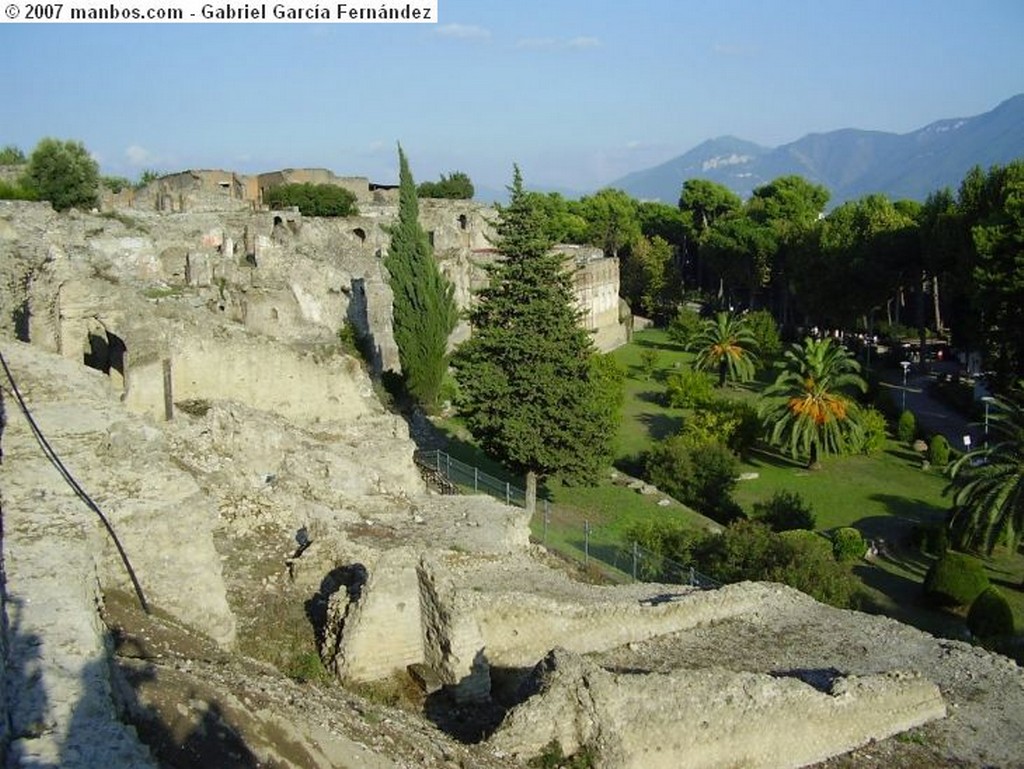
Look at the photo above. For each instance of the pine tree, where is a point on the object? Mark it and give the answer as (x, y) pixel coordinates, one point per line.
(529, 391)
(424, 303)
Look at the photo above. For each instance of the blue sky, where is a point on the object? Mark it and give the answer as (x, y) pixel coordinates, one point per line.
(577, 93)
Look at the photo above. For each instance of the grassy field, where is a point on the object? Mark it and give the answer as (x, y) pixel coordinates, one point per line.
(883, 496)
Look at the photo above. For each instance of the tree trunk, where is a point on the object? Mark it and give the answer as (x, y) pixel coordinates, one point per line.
(935, 302)
(814, 463)
(723, 372)
(531, 492)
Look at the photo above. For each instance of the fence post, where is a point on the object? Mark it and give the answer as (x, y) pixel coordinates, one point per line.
(547, 519)
(448, 466)
(508, 493)
(693, 577)
(437, 459)
(586, 544)
(635, 555)
(476, 475)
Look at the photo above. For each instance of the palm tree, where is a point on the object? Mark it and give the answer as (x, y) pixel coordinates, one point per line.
(727, 343)
(816, 416)
(988, 483)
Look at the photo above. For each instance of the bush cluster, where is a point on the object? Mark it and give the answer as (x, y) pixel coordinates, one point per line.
(689, 388)
(784, 511)
(701, 475)
(873, 432)
(313, 199)
(749, 550)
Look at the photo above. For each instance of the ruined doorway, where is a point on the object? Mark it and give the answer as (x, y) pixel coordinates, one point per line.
(105, 351)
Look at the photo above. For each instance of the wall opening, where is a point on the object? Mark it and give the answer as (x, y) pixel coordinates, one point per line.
(463, 222)
(360, 233)
(106, 352)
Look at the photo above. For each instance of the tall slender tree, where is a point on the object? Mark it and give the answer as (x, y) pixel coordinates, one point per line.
(528, 387)
(424, 300)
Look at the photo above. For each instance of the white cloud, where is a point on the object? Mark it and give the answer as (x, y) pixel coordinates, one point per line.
(139, 156)
(463, 31)
(583, 42)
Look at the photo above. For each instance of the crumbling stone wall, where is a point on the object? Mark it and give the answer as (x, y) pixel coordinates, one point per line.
(709, 718)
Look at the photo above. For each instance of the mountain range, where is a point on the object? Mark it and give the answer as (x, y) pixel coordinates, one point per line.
(849, 162)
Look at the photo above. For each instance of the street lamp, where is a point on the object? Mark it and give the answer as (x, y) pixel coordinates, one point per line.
(906, 368)
(986, 399)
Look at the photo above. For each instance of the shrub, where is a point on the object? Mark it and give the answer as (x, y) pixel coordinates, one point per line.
(955, 579)
(313, 199)
(785, 510)
(662, 539)
(749, 550)
(11, 155)
(699, 475)
(13, 191)
(766, 335)
(689, 389)
(734, 423)
(456, 186)
(938, 451)
(648, 362)
(990, 615)
(63, 173)
(906, 427)
(848, 545)
(684, 326)
(873, 432)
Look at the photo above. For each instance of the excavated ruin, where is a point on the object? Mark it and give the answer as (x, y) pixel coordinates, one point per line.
(311, 602)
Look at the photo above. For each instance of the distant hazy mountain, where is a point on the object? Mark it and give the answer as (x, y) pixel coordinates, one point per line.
(849, 162)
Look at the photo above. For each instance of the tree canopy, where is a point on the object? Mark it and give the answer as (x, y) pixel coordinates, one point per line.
(815, 415)
(528, 388)
(64, 173)
(313, 199)
(456, 186)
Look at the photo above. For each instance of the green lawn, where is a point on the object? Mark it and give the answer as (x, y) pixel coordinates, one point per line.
(883, 496)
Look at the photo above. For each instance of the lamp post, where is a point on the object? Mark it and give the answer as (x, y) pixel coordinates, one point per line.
(986, 399)
(906, 368)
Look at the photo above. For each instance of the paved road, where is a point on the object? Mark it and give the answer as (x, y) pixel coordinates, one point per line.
(932, 416)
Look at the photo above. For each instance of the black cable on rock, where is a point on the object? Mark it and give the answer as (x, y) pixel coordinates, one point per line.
(70, 480)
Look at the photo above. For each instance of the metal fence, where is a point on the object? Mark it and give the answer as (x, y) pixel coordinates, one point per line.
(470, 477)
(616, 561)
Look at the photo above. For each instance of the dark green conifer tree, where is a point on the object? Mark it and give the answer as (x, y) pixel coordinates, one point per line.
(424, 303)
(528, 389)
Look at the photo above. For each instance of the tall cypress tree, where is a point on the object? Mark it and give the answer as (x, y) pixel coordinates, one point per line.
(424, 300)
(528, 389)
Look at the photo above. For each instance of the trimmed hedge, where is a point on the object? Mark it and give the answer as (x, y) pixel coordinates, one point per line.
(955, 579)
(848, 545)
(906, 427)
(938, 451)
(990, 615)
